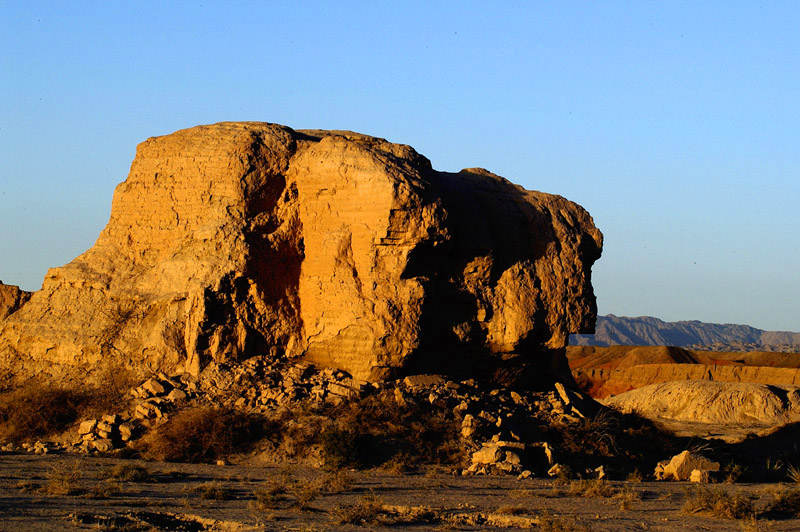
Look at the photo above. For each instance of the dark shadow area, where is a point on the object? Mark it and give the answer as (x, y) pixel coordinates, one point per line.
(490, 219)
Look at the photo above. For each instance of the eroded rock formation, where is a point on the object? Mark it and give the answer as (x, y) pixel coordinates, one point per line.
(240, 238)
(11, 299)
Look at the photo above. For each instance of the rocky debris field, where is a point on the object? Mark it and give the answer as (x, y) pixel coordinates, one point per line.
(496, 430)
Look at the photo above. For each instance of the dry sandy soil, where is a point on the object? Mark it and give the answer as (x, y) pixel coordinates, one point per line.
(240, 498)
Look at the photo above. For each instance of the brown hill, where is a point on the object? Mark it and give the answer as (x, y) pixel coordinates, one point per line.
(605, 371)
(349, 251)
(727, 410)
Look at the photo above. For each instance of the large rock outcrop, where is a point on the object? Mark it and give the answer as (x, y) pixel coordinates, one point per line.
(240, 238)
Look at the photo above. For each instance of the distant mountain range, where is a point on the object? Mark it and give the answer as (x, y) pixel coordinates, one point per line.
(645, 330)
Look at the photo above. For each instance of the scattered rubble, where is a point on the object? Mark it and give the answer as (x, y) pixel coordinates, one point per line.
(502, 430)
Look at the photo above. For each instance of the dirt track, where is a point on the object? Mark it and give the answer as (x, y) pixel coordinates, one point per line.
(208, 497)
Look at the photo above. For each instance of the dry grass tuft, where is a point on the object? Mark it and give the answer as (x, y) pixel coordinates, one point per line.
(752, 524)
(212, 491)
(627, 497)
(591, 488)
(64, 478)
(734, 472)
(128, 473)
(717, 503)
(287, 492)
(786, 503)
(634, 476)
(367, 511)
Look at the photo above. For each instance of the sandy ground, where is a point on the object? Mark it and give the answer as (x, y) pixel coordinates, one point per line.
(210, 497)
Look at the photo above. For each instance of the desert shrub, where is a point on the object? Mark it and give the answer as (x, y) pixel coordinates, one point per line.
(376, 430)
(591, 488)
(717, 503)
(64, 478)
(202, 434)
(734, 472)
(367, 511)
(268, 498)
(37, 411)
(623, 442)
(786, 504)
(341, 448)
(212, 491)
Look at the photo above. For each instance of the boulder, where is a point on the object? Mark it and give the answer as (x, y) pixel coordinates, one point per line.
(352, 252)
(489, 454)
(680, 467)
(87, 427)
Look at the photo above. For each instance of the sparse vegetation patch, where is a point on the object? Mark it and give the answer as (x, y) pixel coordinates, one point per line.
(717, 502)
(202, 434)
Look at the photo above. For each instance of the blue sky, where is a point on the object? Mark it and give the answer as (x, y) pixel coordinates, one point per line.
(676, 124)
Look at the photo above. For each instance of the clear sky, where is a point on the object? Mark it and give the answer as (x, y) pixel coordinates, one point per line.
(676, 124)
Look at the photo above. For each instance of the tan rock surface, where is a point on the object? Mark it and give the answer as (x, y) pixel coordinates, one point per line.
(683, 465)
(709, 402)
(11, 299)
(241, 238)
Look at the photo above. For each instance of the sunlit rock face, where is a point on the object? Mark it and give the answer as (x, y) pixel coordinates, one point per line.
(236, 239)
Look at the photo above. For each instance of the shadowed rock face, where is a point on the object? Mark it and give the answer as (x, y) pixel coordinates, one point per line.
(241, 238)
(11, 299)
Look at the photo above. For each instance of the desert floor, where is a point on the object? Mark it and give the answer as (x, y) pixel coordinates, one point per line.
(65, 492)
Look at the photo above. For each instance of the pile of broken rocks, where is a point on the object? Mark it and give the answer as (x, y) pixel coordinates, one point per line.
(495, 423)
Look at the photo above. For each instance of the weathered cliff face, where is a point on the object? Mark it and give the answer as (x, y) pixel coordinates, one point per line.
(241, 238)
(11, 299)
